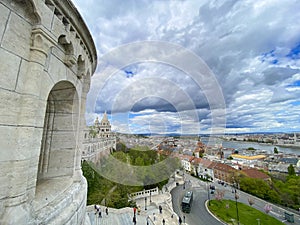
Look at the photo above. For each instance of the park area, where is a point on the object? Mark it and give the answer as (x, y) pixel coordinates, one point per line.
(226, 211)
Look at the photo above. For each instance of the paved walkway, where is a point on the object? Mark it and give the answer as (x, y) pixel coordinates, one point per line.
(125, 216)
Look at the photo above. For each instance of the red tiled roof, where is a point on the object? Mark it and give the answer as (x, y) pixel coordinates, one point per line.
(206, 163)
(196, 161)
(223, 167)
(187, 157)
(254, 173)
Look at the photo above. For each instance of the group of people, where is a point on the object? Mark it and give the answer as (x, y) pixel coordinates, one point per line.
(148, 217)
(98, 210)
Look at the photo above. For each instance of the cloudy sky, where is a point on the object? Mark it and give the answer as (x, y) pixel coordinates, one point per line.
(195, 66)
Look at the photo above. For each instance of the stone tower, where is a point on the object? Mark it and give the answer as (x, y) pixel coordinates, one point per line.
(47, 59)
(104, 126)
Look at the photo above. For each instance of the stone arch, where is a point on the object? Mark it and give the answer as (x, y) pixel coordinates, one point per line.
(28, 10)
(58, 146)
(80, 67)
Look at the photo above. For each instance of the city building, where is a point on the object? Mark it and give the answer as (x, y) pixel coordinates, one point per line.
(247, 160)
(223, 172)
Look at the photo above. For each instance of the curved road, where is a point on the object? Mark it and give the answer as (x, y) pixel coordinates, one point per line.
(198, 214)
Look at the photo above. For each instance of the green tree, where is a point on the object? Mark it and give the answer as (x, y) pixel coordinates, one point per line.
(120, 156)
(291, 170)
(92, 132)
(139, 161)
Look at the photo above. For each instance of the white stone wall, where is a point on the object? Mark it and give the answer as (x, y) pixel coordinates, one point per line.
(95, 148)
(47, 56)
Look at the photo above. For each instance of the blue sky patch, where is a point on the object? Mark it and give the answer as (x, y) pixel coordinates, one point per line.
(295, 84)
(295, 103)
(269, 57)
(294, 53)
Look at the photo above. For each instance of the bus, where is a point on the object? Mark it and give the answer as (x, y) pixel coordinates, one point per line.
(187, 201)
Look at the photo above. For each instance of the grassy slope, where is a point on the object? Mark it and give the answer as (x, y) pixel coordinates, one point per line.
(247, 214)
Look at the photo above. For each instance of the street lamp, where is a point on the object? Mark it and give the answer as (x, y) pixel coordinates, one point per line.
(208, 196)
(145, 203)
(150, 196)
(237, 210)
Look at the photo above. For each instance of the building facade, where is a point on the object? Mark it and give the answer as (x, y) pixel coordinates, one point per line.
(98, 141)
(47, 59)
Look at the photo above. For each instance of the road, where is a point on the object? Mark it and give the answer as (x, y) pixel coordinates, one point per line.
(199, 214)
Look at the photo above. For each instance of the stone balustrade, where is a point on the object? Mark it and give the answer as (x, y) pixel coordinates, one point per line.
(144, 193)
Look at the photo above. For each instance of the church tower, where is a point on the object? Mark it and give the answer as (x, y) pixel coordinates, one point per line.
(104, 127)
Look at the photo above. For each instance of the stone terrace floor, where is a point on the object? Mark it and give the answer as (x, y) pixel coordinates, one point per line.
(125, 216)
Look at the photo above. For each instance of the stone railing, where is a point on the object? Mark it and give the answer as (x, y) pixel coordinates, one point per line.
(144, 193)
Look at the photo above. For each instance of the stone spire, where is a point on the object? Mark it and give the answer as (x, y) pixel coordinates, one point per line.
(104, 120)
(96, 121)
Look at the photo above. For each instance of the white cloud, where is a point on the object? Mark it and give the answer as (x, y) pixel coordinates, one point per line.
(245, 43)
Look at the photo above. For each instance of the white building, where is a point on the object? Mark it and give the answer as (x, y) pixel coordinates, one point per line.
(98, 140)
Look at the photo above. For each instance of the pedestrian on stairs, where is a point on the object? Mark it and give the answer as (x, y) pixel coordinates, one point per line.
(134, 220)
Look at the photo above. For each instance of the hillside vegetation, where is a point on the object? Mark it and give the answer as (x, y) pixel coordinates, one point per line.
(115, 194)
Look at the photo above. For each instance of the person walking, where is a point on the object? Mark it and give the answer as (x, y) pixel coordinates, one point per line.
(96, 209)
(160, 209)
(134, 220)
(106, 210)
(180, 220)
(147, 219)
(163, 221)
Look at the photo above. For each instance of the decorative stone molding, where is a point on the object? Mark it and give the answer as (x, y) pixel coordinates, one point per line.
(41, 41)
(70, 58)
(74, 23)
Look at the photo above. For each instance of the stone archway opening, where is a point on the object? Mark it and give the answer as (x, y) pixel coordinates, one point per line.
(58, 146)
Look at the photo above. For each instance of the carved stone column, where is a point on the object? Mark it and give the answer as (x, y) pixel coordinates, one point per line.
(41, 43)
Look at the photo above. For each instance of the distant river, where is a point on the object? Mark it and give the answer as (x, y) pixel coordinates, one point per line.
(258, 146)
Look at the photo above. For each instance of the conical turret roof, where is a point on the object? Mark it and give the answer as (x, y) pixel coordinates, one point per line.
(104, 119)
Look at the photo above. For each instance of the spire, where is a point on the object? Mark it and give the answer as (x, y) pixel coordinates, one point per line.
(96, 121)
(104, 121)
